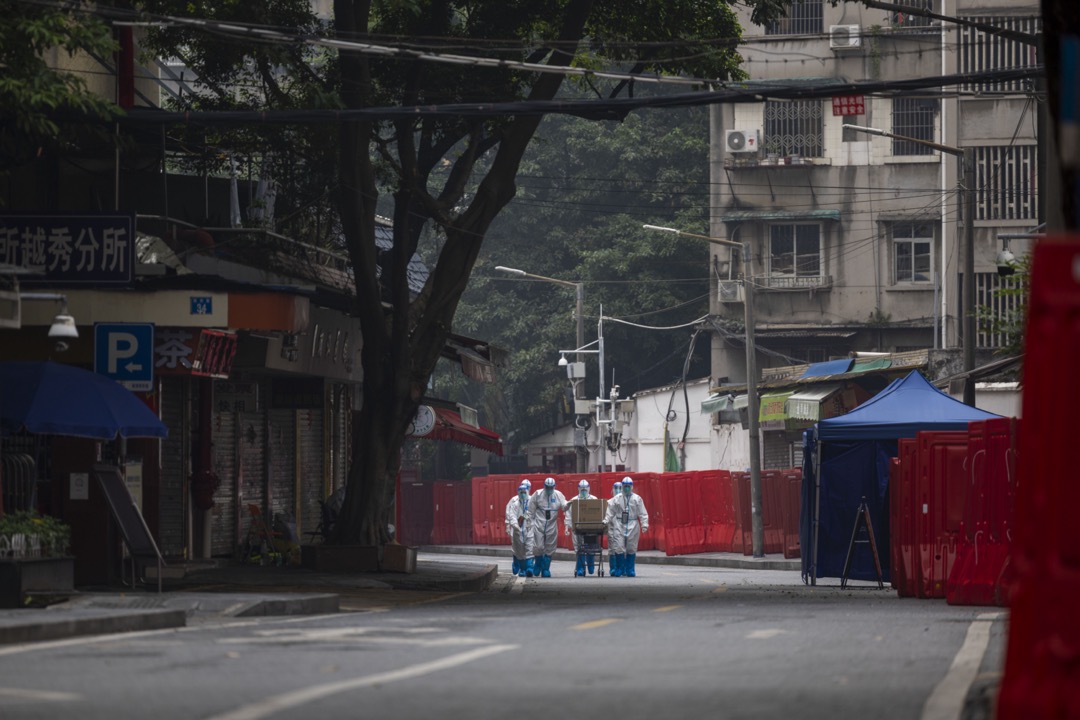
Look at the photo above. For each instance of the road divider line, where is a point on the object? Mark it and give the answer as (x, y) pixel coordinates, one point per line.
(297, 698)
(38, 695)
(667, 608)
(593, 624)
(947, 699)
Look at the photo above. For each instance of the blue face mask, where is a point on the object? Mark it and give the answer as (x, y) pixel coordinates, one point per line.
(522, 494)
(628, 490)
(584, 493)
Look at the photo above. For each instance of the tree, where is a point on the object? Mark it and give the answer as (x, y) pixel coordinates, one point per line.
(34, 93)
(448, 173)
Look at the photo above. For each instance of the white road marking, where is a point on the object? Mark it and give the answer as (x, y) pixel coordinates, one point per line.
(297, 698)
(38, 695)
(764, 634)
(947, 700)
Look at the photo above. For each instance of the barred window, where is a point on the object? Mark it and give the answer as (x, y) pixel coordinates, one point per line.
(795, 250)
(914, 118)
(981, 51)
(913, 259)
(903, 19)
(1006, 182)
(803, 18)
(793, 127)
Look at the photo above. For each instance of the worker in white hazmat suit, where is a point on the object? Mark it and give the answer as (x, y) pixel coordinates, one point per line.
(519, 528)
(545, 506)
(583, 559)
(626, 519)
(616, 490)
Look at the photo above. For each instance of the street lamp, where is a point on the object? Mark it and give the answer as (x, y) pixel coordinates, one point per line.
(579, 292)
(967, 304)
(757, 520)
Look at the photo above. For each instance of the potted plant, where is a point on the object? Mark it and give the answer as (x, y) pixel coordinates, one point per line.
(34, 559)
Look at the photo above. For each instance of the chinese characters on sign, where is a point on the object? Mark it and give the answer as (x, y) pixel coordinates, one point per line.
(70, 248)
(849, 105)
(206, 353)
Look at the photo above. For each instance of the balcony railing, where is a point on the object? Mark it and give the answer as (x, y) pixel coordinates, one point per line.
(732, 291)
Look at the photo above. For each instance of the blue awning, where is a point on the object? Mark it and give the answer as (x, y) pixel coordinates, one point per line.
(830, 367)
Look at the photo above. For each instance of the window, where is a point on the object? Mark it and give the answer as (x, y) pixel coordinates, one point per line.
(913, 118)
(793, 127)
(795, 251)
(803, 18)
(912, 252)
(903, 19)
(980, 51)
(1006, 178)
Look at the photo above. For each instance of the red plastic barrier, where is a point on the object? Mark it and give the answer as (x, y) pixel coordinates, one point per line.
(463, 524)
(790, 510)
(941, 488)
(415, 508)
(744, 537)
(772, 489)
(684, 518)
(1042, 675)
(443, 513)
(718, 507)
(500, 489)
(480, 487)
(657, 537)
(568, 486)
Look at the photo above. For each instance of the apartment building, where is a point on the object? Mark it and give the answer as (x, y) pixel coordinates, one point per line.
(857, 240)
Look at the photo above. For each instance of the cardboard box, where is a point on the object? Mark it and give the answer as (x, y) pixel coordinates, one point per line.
(589, 511)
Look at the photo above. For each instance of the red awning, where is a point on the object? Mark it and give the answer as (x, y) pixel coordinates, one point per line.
(450, 426)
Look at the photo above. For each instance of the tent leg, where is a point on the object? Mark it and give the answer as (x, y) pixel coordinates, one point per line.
(817, 510)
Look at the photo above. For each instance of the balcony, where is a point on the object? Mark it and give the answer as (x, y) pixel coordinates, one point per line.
(732, 291)
(750, 161)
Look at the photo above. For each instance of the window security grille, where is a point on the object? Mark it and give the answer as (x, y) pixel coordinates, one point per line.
(1006, 179)
(803, 18)
(1000, 305)
(981, 51)
(907, 20)
(914, 118)
(793, 127)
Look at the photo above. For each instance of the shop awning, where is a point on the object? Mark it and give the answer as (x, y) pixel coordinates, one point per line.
(774, 410)
(806, 404)
(717, 403)
(868, 364)
(450, 426)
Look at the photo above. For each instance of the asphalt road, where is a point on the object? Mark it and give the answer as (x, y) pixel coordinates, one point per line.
(675, 642)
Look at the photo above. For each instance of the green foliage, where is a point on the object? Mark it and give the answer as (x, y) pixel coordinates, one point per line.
(585, 189)
(34, 93)
(1011, 321)
(53, 534)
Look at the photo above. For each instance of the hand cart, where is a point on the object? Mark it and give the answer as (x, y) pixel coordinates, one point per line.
(590, 542)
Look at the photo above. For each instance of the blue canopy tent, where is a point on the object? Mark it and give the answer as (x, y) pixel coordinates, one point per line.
(846, 458)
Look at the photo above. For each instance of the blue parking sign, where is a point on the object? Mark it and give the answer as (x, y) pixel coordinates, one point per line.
(125, 353)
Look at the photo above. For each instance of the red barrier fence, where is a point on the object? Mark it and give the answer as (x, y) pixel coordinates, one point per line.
(1042, 673)
(718, 508)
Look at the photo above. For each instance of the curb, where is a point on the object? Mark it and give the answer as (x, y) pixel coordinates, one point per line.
(99, 624)
(733, 562)
(477, 582)
(325, 604)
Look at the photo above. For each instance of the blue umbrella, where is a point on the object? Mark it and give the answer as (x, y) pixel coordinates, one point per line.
(48, 398)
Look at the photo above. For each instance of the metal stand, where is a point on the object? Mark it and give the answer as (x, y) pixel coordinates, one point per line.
(862, 522)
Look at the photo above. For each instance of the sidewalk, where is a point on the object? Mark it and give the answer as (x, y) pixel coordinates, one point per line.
(197, 594)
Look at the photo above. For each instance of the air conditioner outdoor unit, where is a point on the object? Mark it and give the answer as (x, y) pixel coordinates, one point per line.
(844, 37)
(731, 291)
(741, 141)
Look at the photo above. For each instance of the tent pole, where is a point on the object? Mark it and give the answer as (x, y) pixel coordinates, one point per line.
(817, 508)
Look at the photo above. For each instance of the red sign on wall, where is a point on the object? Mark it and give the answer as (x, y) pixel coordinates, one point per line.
(849, 105)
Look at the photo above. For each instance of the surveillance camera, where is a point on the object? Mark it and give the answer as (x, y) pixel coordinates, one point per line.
(1006, 263)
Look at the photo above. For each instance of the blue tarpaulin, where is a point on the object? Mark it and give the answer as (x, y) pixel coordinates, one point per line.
(854, 452)
(829, 367)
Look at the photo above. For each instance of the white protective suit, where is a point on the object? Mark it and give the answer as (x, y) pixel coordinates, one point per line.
(626, 519)
(521, 535)
(545, 509)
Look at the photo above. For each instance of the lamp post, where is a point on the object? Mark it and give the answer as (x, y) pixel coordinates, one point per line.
(757, 520)
(967, 304)
(579, 312)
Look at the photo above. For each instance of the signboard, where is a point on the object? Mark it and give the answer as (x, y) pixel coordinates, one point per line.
(80, 486)
(849, 105)
(94, 248)
(200, 352)
(125, 353)
(133, 477)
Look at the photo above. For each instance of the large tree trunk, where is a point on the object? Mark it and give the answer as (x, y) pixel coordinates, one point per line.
(402, 345)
